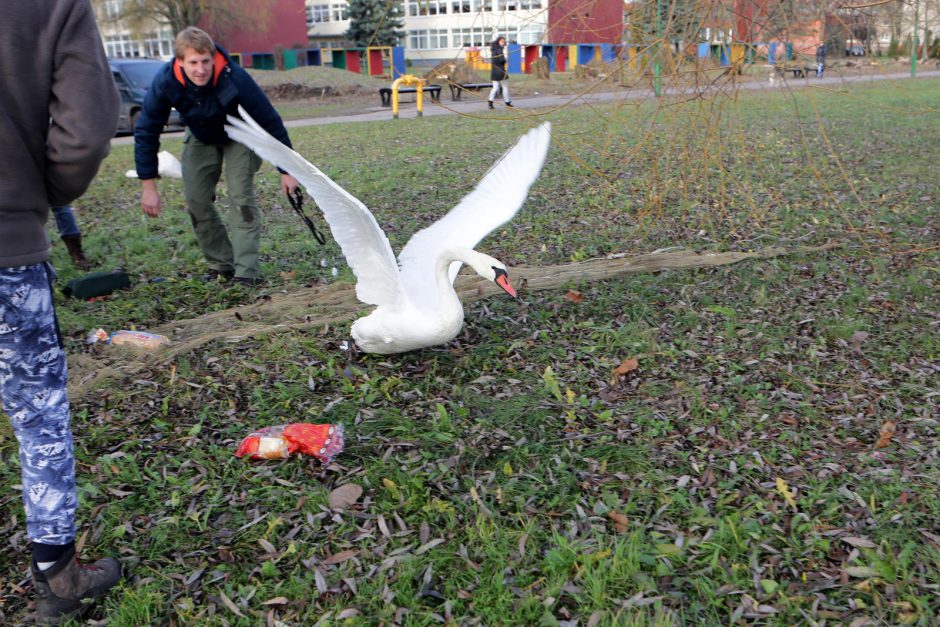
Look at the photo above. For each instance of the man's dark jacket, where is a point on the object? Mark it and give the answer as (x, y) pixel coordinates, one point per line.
(498, 63)
(203, 109)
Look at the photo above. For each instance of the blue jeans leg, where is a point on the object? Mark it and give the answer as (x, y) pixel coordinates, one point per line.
(33, 376)
(65, 221)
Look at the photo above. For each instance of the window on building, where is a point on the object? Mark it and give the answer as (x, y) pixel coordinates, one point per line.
(317, 14)
(428, 39)
(112, 8)
(122, 45)
(528, 35)
(460, 6)
(340, 12)
(158, 45)
(417, 8)
(477, 36)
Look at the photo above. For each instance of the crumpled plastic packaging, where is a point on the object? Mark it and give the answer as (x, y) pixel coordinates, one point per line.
(279, 442)
(131, 338)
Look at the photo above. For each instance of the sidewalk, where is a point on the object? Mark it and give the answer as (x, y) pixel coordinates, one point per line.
(475, 102)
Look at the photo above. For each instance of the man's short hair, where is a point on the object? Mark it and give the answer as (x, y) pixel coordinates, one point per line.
(195, 39)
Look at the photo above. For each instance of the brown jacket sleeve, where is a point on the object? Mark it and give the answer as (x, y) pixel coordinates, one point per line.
(84, 107)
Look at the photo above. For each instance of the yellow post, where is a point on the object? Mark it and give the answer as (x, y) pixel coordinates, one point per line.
(408, 81)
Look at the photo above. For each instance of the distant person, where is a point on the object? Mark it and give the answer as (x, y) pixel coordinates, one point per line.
(820, 60)
(498, 73)
(70, 234)
(205, 86)
(59, 109)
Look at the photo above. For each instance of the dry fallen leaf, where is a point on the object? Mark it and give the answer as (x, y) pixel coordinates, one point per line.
(626, 367)
(344, 496)
(888, 428)
(342, 556)
(784, 490)
(621, 522)
(287, 276)
(574, 296)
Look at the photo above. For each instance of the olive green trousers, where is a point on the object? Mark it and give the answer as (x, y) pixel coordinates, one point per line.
(202, 167)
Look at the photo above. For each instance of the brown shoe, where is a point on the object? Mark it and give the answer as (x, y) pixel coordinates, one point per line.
(74, 245)
(67, 588)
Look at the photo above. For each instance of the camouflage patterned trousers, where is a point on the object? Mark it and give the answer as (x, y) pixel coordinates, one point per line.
(33, 385)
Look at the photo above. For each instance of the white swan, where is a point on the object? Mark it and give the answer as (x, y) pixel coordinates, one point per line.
(416, 302)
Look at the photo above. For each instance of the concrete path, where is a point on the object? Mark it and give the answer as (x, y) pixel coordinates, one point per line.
(475, 102)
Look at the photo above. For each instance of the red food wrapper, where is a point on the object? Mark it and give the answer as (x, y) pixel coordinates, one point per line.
(321, 441)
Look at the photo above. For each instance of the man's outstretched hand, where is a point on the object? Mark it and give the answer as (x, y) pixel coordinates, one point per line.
(150, 198)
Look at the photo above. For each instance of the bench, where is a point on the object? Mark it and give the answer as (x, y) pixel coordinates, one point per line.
(456, 89)
(385, 93)
(799, 71)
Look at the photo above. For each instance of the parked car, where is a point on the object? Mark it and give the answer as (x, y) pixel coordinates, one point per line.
(855, 50)
(133, 78)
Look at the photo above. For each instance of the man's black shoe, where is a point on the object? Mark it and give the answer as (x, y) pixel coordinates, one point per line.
(509, 104)
(219, 275)
(250, 281)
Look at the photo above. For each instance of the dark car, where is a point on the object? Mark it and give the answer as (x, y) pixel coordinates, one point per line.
(133, 78)
(854, 50)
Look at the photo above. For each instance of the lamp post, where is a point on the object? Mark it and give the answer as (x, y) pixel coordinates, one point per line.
(657, 65)
(914, 39)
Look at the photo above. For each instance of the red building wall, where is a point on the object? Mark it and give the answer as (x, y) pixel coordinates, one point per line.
(287, 27)
(585, 22)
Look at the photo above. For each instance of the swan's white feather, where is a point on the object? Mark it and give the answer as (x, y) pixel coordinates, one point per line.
(354, 228)
(493, 202)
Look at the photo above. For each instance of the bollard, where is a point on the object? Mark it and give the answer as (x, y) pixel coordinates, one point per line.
(408, 81)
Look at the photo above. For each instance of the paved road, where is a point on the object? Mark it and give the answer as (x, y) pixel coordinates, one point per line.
(475, 102)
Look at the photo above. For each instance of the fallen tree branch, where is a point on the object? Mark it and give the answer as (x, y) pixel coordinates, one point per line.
(318, 306)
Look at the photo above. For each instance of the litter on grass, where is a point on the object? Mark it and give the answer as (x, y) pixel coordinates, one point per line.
(141, 339)
(321, 441)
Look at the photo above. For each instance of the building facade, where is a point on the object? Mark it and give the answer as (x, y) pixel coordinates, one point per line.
(441, 30)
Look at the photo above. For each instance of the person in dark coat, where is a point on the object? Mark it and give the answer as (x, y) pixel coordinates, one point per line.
(204, 85)
(820, 60)
(498, 73)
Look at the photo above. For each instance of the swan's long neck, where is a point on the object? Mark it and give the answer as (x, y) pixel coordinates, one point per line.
(442, 267)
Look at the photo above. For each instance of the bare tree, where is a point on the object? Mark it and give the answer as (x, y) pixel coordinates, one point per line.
(218, 17)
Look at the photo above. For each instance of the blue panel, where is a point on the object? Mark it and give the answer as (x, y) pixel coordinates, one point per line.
(608, 52)
(585, 54)
(772, 53)
(398, 62)
(704, 51)
(514, 60)
(548, 51)
(314, 56)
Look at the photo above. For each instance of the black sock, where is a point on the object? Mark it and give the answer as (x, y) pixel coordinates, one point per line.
(50, 552)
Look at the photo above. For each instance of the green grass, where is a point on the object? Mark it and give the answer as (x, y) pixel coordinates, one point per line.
(512, 444)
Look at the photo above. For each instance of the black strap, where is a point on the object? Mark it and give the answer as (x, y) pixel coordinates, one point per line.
(297, 202)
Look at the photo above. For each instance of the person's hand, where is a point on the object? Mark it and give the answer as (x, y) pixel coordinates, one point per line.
(150, 199)
(289, 184)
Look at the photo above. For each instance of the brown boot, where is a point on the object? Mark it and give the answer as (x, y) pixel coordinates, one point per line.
(67, 588)
(74, 245)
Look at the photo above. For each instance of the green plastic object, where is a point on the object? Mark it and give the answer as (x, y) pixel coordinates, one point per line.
(97, 284)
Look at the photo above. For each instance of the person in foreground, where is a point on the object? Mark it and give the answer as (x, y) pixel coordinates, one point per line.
(204, 86)
(55, 129)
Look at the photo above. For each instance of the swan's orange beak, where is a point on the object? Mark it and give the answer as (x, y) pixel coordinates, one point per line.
(502, 280)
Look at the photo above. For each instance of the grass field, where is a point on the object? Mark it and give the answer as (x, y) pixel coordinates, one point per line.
(773, 460)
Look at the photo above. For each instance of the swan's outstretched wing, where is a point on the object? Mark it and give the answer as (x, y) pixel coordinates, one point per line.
(492, 203)
(363, 242)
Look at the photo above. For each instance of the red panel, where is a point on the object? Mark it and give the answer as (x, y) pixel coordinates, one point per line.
(585, 22)
(531, 56)
(375, 63)
(561, 58)
(353, 61)
(287, 27)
